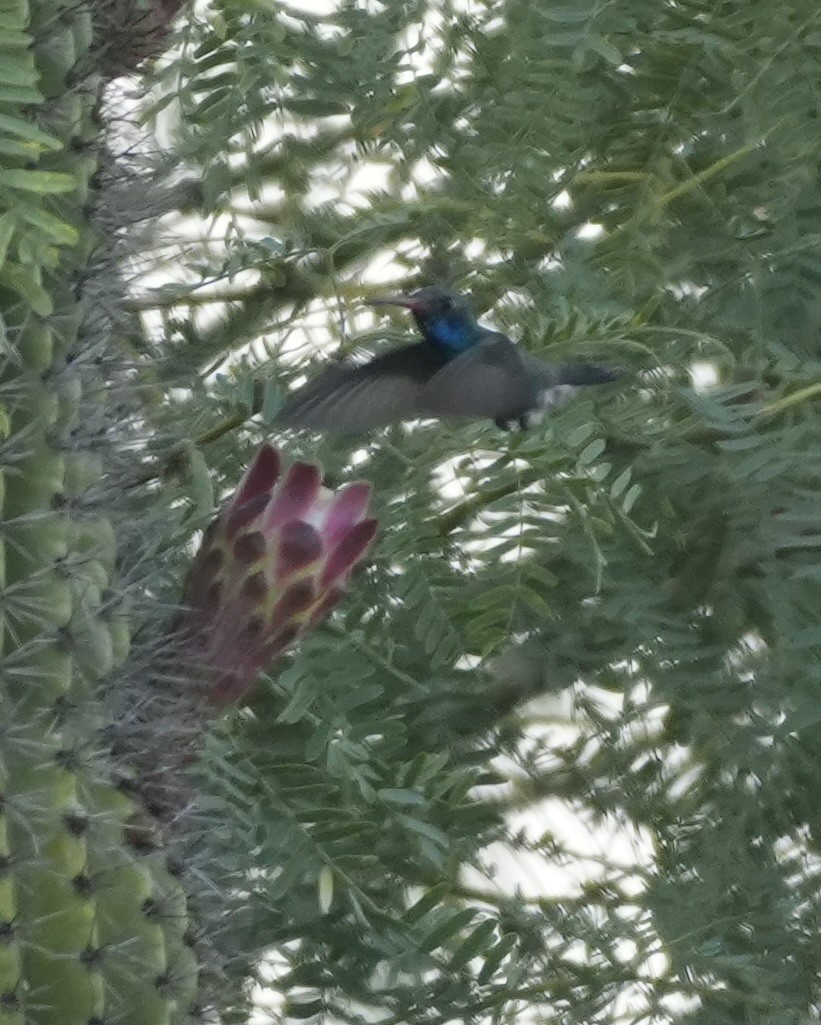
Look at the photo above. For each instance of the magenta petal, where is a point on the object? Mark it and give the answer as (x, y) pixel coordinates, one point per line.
(259, 478)
(295, 495)
(349, 551)
(239, 516)
(348, 508)
(299, 546)
(254, 490)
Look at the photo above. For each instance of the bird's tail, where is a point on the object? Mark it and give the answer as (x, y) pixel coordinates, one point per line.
(579, 374)
(559, 383)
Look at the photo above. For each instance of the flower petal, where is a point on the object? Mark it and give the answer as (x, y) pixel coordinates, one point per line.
(239, 517)
(254, 490)
(294, 496)
(347, 508)
(348, 552)
(259, 478)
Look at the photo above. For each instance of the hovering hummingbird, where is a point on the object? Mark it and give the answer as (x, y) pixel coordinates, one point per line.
(459, 370)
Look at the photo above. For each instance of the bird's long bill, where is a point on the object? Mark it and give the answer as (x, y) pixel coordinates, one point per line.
(407, 301)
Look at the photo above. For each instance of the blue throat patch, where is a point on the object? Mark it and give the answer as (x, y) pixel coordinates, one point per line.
(452, 334)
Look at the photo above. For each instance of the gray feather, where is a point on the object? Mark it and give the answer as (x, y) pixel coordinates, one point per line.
(488, 381)
(351, 399)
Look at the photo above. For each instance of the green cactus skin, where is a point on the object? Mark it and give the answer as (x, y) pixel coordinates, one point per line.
(136, 895)
(10, 956)
(93, 925)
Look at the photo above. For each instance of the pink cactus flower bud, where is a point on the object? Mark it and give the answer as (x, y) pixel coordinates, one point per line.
(271, 566)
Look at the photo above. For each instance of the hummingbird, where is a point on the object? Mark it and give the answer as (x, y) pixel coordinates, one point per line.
(459, 370)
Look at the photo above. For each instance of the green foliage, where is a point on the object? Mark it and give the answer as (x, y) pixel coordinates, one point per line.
(648, 558)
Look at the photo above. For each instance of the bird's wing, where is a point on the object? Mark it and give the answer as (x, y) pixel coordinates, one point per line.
(489, 380)
(350, 399)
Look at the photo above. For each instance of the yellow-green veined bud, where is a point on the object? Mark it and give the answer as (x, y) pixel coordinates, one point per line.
(270, 567)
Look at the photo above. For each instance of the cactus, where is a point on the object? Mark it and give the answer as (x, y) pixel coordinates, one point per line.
(83, 939)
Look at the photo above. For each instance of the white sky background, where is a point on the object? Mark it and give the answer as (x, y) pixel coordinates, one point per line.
(595, 846)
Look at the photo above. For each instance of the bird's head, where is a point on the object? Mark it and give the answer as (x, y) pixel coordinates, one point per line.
(444, 318)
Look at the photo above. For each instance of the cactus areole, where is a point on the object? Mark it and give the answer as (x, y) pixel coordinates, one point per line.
(270, 567)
